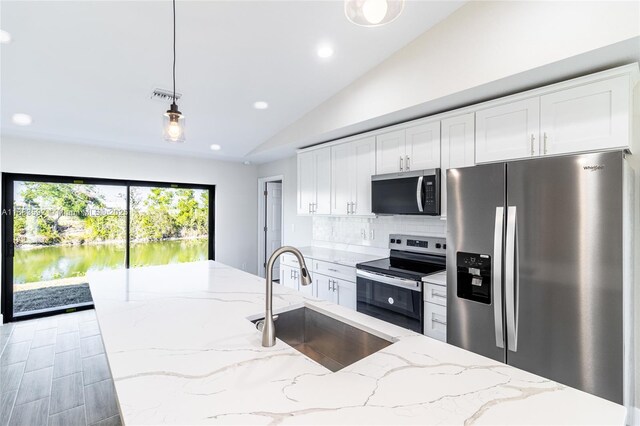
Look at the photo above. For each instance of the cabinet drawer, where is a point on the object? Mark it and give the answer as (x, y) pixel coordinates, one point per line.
(435, 321)
(335, 270)
(291, 260)
(435, 294)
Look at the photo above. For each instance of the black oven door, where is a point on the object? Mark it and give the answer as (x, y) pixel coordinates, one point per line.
(395, 300)
(410, 193)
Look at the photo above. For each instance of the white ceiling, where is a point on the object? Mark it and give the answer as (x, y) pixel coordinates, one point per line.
(85, 69)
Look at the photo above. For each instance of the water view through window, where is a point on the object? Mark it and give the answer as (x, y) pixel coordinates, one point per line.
(61, 231)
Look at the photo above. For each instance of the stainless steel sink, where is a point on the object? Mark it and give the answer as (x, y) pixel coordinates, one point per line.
(329, 342)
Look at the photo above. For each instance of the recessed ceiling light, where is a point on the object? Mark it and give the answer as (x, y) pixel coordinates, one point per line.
(260, 105)
(325, 51)
(5, 37)
(21, 119)
(247, 163)
(215, 147)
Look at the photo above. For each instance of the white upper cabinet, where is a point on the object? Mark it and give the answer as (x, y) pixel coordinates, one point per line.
(586, 118)
(364, 166)
(352, 166)
(509, 131)
(390, 152)
(458, 149)
(422, 147)
(341, 160)
(314, 182)
(415, 148)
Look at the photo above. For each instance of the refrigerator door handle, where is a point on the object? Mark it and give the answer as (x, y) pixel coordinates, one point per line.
(512, 279)
(497, 275)
(419, 194)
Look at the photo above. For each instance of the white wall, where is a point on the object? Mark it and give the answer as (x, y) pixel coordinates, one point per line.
(480, 43)
(297, 229)
(236, 201)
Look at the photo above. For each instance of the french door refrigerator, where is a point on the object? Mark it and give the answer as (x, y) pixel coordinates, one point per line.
(535, 267)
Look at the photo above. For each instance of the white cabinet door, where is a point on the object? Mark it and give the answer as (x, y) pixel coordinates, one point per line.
(508, 131)
(342, 162)
(288, 276)
(435, 321)
(422, 147)
(586, 118)
(390, 152)
(323, 180)
(346, 291)
(325, 287)
(458, 149)
(363, 167)
(306, 182)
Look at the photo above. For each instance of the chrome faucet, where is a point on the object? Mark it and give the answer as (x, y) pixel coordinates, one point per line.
(268, 325)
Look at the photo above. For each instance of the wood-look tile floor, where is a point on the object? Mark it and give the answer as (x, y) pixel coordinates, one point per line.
(53, 371)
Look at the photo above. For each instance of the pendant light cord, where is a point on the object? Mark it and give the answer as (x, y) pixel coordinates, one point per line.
(174, 52)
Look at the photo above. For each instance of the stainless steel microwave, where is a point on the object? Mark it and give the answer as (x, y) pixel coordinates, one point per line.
(408, 193)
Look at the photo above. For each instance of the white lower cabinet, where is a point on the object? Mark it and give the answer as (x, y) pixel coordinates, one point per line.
(435, 321)
(435, 311)
(336, 290)
(289, 276)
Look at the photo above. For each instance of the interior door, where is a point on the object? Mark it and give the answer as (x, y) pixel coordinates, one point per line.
(390, 152)
(508, 132)
(475, 229)
(273, 222)
(423, 147)
(566, 312)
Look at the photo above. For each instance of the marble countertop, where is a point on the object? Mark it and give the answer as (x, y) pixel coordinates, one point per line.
(182, 350)
(439, 278)
(341, 257)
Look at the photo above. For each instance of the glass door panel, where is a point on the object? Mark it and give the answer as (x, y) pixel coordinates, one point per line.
(61, 231)
(168, 225)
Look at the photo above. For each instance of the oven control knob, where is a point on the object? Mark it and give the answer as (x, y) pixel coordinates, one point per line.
(390, 300)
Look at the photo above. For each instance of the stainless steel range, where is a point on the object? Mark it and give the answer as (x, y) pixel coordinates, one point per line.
(391, 289)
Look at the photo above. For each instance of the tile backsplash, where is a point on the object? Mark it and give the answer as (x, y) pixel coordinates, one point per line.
(374, 231)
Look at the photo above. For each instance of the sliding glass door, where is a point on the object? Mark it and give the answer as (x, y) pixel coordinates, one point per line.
(168, 225)
(56, 230)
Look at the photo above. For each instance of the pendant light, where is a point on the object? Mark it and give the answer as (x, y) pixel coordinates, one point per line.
(372, 13)
(173, 118)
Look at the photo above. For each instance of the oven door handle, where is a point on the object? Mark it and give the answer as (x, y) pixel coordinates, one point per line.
(385, 279)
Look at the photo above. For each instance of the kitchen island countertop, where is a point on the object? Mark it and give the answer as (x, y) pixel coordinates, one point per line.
(182, 350)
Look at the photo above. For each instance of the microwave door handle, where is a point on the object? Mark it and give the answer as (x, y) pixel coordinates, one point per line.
(512, 279)
(498, 246)
(419, 194)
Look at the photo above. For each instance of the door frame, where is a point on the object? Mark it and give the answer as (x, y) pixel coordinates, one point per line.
(6, 227)
(261, 219)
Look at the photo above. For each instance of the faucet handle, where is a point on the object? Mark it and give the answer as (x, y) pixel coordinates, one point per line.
(260, 324)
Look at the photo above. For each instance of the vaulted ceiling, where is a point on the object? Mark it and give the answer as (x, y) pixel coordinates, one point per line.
(85, 70)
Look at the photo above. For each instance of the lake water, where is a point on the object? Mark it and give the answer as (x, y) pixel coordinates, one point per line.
(56, 262)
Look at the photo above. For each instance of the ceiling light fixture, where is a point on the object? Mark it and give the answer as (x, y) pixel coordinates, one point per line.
(260, 105)
(173, 118)
(5, 37)
(21, 119)
(325, 51)
(372, 13)
(215, 147)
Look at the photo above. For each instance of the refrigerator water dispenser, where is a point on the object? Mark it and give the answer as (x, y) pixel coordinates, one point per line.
(474, 277)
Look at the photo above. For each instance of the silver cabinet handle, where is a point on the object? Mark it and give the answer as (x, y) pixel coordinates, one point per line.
(354, 207)
(533, 139)
(348, 210)
(498, 234)
(335, 287)
(544, 142)
(512, 279)
(437, 294)
(437, 321)
(400, 163)
(407, 163)
(419, 194)
(332, 270)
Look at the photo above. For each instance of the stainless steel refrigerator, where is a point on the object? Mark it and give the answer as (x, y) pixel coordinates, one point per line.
(535, 267)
